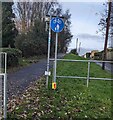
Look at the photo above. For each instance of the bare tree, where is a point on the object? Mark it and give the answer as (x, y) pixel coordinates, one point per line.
(28, 12)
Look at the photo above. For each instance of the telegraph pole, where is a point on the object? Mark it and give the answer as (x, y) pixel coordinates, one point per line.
(107, 33)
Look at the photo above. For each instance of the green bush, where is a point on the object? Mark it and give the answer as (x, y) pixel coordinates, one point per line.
(34, 42)
(74, 51)
(13, 56)
(88, 55)
(98, 56)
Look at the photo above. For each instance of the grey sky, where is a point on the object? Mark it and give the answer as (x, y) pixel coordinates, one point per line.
(85, 18)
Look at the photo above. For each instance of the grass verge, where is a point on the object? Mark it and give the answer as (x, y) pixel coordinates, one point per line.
(72, 100)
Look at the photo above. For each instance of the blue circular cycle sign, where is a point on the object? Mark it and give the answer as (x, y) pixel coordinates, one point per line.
(57, 24)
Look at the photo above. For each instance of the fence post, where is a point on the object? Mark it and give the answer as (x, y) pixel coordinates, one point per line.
(5, 88)
(88, 77)
(5, 96)
(5, 63)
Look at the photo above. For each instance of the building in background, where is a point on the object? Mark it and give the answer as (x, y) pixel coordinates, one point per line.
(93, 53)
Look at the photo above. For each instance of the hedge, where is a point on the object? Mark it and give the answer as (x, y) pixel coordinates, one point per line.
(74, 51)
(13, 56)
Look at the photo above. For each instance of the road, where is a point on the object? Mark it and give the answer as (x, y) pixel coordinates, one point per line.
(108, 66)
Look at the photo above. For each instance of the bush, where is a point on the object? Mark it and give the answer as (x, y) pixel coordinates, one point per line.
(74, 51)
(34, 42)
(88, 55)
(98, 56)
(13, 56)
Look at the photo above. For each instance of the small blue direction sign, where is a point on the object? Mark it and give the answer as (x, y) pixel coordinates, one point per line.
(57, 24)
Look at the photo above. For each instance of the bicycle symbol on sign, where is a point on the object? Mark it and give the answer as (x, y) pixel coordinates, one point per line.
(57, 21)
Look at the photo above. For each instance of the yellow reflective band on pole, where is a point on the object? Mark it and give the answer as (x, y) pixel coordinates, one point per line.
(54, 85)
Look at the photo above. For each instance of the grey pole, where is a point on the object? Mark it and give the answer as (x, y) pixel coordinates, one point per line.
(53, 70)
(49, 40)
(88, 74)
(5, 97)
(55, 57)
(79, 48)
(76, 45)
(5, 63)
(5, 89)
(1, 112)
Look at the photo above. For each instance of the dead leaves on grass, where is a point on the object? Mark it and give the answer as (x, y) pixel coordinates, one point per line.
(22, 105)
(37, 103)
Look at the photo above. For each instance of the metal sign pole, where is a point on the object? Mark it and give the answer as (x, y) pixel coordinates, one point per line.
(55, 57)
(49, 39)
(57, 26)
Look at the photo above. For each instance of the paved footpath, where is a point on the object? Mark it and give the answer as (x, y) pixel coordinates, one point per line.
(20, 80)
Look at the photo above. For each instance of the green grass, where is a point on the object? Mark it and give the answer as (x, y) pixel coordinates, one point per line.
(72, 100)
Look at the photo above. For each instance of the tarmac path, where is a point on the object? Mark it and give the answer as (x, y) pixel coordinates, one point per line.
(19, 81)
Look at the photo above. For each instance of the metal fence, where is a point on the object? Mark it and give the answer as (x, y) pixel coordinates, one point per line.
(88, 77)
(3, 79)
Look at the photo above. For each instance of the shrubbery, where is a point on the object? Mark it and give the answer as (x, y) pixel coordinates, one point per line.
(13, 56)
(34, 42)
(88, 55)
(74, 51)
(98, 56)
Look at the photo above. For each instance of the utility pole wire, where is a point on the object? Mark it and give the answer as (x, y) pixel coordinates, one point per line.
(107, 33)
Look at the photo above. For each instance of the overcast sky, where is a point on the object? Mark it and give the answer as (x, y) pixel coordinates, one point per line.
(85, 24)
